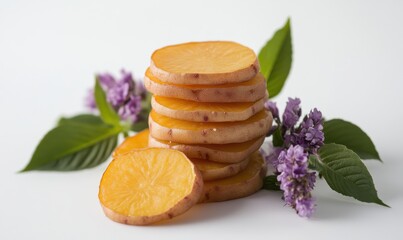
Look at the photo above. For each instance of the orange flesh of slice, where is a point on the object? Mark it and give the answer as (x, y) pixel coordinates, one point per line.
(204, 165)
(184, 105)
(255, 80)
(204, 57)
(147, 182)
(230, 147)
(187, 125)
(140, 140)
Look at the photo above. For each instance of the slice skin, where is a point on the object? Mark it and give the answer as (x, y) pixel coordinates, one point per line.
(241, 185)
(145, 186)
(180, 131)
(140, 140)
(248, 91)
(222, 153)
(206, 112)
(213, 171)
(208, 63)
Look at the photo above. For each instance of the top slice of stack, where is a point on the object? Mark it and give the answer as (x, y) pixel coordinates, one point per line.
(208, 102)
(204, 63)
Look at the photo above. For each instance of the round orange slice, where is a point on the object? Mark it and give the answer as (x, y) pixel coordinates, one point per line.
(209, 63)
(149, 185)
(140, 140)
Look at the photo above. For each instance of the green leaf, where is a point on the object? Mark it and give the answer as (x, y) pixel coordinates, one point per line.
(351, 136)
(271, 183)
(277, 138)
(275, 59)
(82, 118)
(68, 139)
(85, 158)
(106, 111)
(345, 173)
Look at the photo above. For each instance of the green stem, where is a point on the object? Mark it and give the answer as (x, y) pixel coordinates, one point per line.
(125, 134)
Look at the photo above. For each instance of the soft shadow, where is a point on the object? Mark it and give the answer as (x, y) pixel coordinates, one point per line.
(332, 208)
(207, 212)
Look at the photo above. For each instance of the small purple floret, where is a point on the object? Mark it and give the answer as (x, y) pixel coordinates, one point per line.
(292, 112)
(295, 180)
(272, 107)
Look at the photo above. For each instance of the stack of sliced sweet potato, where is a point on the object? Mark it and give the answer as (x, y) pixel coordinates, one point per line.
(208, 102)
(206, 126)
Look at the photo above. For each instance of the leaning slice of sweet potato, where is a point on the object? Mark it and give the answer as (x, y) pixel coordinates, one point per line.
(149, 185)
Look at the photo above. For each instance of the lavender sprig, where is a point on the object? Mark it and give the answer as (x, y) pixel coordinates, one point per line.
(290, 160)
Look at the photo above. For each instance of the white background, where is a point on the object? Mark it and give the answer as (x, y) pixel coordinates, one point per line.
(347, 62)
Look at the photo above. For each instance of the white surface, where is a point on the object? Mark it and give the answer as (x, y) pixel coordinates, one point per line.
(347, 62)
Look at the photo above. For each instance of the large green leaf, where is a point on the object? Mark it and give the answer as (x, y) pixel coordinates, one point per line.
(108, 114)
(275, 59)
(351, 136)
(85, 158)
(82, 118)
(345, 173)
(68, 139)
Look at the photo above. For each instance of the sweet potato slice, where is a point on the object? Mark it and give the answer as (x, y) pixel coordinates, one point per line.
(241, 185)
(248, 91)
(214, 62)
(214, 171)
(140, 140)
(222, 153)
(180, 131)
(206, 112)
(149, 185)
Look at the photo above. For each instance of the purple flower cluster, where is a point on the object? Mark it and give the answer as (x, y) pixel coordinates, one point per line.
(295, 180)
(311, 134)
(124, 95)
(291, 160)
